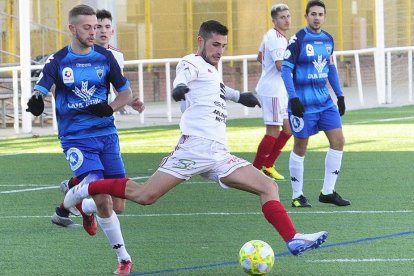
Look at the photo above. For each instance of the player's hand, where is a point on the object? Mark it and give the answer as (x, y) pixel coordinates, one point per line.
(248, 99)
(35, 105)
(297, 107)
(341, 105)
(137, 105)
(179, 92)
(101, 110)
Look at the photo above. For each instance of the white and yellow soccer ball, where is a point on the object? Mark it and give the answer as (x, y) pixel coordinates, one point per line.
(256, 257)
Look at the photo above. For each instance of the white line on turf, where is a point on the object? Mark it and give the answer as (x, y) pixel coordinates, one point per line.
(231, 214)
(361, 260)
(382, 120)
(25, 185)
(28, 190)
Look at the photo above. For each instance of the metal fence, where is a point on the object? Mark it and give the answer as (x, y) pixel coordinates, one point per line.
(366, 73)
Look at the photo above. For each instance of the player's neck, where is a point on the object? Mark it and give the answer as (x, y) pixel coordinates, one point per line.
(106, 46)
(282, 32)
(78, 49)
(313, 30)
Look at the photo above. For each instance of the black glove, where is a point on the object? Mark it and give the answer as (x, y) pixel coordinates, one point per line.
(179, 92)
(35, 105)
(248, 99)
(101, 110)
(341, 105)
(297, 107)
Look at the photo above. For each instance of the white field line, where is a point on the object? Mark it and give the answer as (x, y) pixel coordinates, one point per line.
(28, 190)
(382, 120)
(361, 260)
(232, 214)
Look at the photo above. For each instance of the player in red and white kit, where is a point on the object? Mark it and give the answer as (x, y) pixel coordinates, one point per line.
(202, 148)
(272, 92)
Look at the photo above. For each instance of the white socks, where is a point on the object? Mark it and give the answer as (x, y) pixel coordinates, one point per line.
(333, 162)
(296, 174)
(88, 206)
(112, 229)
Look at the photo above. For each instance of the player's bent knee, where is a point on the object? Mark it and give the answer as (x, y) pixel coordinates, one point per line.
(118, 205)
(269, 187)
(103, 204)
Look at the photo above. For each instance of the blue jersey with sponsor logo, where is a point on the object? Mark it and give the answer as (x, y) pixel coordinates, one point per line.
(81, 81)
(309, 55)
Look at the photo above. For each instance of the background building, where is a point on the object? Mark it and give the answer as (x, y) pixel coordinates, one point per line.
(149, 29)
(153, 34)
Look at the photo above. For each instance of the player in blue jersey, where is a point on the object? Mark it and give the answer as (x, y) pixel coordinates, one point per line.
(104, 32)
(307, 67)
(82, 73)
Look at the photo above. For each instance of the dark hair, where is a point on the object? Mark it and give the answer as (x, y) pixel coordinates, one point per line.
(210, 27)
(313, 3)
(278, 8)
(80, 10)
(102, 14)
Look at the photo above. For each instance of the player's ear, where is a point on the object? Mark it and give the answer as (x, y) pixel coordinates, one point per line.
(200, 41)
(72, 28)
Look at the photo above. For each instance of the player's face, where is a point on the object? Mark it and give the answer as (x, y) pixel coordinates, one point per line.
(212, 49)
(315, 18)
(83, 30)
(282, 21)
(104, 32)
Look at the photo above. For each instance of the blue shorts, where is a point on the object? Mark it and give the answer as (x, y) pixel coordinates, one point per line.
(95, 154)
(312, 123)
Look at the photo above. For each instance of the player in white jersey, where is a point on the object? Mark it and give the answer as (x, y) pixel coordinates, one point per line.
(202, 148)
(104, 33)
(272, 92)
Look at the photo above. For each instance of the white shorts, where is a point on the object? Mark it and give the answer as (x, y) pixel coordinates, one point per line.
(274, 109)
(198, 156)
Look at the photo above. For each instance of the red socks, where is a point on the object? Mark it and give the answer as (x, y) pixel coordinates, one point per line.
(277, 149)
(264, 151)
(277, 216)
(113, 187)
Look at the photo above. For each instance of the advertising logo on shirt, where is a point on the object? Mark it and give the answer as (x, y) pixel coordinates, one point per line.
(320, 63)
(309, 50)
(85, 92)
(67, 75)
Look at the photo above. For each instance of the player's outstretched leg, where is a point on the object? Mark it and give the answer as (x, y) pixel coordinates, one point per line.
(76, 194)
(305, 242)
(297, 243)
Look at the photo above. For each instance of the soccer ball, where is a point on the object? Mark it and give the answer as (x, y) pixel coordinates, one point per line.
(256, 257)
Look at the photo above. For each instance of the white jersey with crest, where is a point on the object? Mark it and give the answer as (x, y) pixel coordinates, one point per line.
(204, 111)
(272, 48)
